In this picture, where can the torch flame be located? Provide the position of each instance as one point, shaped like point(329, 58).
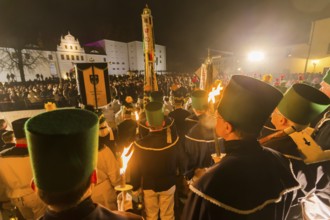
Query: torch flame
point(214, 93)
point(125, 158)
point(136, 116)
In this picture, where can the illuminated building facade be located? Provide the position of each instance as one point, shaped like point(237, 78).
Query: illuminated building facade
point(120, 56)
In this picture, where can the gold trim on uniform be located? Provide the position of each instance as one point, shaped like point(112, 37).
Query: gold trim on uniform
point(157, 149)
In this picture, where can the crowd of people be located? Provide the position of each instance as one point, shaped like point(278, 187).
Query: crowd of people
point(250, 155)
point(33, 94)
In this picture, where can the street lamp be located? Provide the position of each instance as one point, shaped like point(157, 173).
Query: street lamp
point(256, 56)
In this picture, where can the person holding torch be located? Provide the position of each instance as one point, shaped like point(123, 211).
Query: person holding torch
point(63, 145)
point(153, 166)
point(250, 182)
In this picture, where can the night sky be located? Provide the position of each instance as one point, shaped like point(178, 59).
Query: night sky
point(186, 27)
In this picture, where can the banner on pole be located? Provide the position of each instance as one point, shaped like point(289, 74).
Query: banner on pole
point(93, 83)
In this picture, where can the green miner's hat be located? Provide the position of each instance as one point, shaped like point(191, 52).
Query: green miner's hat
point(247, 103)
point(199, 100)
point(326, 77)
point(156, 96)
point(178, 96)
point(302, 103)
point(18, 127)
point(155, 114)
point(63, 147)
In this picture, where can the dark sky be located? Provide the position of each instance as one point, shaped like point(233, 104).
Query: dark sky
point(186, 27)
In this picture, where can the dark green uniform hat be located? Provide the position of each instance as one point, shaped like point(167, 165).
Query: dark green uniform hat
point(247, 103)
point(155, 114)
point(63, 148)
point(156, 96)
point(18, 127)
point(302, 103)
point(178, 96)
point(326, 77)
point(199, 100)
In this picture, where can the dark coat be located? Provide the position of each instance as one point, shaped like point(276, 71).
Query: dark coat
point(199, 146)
point(250, 182)
point(154, 162)
point(87, 210)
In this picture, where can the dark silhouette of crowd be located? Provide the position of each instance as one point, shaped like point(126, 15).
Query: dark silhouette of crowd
point(64, 93)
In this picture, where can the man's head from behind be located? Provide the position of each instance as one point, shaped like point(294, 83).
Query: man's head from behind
point(245, 107)
point(63, 148)
point(300, 105)
point(199, 101)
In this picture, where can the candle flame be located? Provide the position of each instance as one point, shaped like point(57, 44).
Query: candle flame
point(136, 116)
point(214, 93)
point(125, 158)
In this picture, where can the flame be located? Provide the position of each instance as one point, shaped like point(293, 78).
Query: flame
point(136, 116)
point(125, 158)
point(214, 93)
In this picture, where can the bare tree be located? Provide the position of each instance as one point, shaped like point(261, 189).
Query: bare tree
point(13, 59)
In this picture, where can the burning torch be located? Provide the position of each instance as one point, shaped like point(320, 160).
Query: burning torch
point(123, 187)
point(211, 100)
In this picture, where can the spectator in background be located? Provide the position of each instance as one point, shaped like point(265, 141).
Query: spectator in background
point(16, 175)
point(3, 129)
point(9, 140)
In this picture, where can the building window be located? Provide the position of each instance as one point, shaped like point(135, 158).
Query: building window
point(117, 68)
point(62, 57)
point(50, 57)
point(67, 57)
point(76, 47)
point(66, 46)
point(104, 59)
point(72, 57)
point(113, 68)
point(160, 56)
point(160, 61)
point(123, 63)
point(82, 58)
point(77, 57)
point(71, 47)
point(123, 68)
point(117, 62)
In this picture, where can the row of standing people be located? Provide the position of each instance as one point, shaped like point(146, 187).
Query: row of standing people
point(157, 151)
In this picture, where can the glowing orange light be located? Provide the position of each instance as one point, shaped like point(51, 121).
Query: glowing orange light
point(214, 93)
point(125, 158)
point(136, 116)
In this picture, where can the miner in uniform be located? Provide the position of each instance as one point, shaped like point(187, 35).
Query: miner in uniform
point(63, 145)
point(169, 127)
point(199, 141)
point(107, 174)
point(16, 175)
point(321, 194)
point(153, 166)
point(250, 182)
point(127, 129)
point(299, 106)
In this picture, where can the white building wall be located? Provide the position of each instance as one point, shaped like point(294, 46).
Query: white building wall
point(117, 56)
point(69, 52)
point(121, 57)
point(160, 53)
